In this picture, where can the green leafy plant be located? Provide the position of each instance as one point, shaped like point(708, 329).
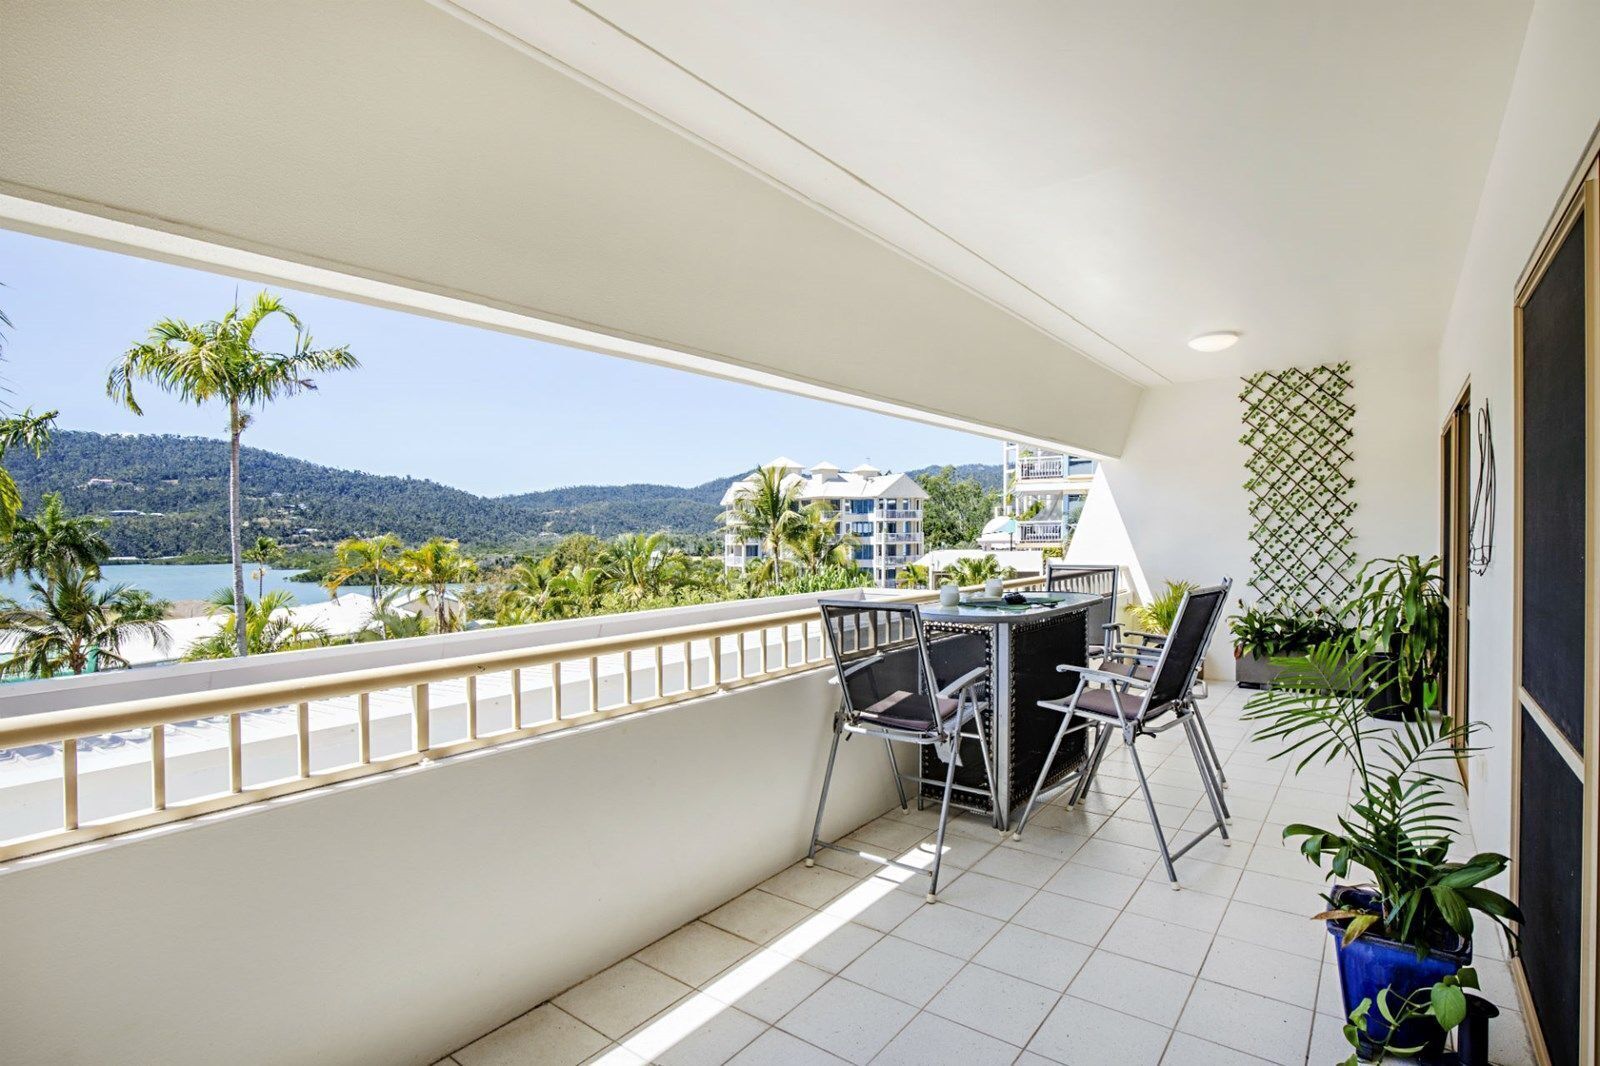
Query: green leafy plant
point(1399, 609)
point(1267, 634)
point(1157, 616)
point(1445, 1002)
point(1400, 826)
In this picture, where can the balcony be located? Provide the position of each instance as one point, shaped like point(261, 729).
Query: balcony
point(1040, 532)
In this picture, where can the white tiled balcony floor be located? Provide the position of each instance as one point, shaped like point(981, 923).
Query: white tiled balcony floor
point(1065, 947)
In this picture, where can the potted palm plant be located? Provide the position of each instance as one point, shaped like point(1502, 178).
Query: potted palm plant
point(1400, 612)
point(1410, 923)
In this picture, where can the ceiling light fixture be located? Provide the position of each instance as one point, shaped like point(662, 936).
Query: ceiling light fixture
point(1215, 342)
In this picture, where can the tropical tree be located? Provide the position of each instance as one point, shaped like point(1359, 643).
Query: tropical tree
point(357, 557)
point(975, 570)
point(579, 591)
point(956, 509)
point(767, 510)
point(74, 624)
point(640, 565)
point(388, 623)
point(25, 430)
point(434, 566)
point(263, 553)
point(50, 543)
point(530, 594)
point(817, 544)
point(912, 576)
point(219, 362)
point(269, 626)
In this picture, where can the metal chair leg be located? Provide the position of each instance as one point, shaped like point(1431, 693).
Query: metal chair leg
point(894, 768)
point(944, 818)
point(1213, 793)
point(1205, 734)
point(988, 766)
point(1150, 808)
point(1044, 772)
point(1091, 767)
point(822, 802)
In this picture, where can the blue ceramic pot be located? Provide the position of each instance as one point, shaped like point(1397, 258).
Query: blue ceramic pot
point(1372, 963)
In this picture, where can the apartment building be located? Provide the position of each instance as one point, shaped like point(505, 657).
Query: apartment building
point(1042, 494)
point(881, 512)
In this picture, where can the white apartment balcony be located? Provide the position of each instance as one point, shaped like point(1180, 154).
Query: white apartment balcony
point(898, 538)
point(1040, 531)
point(575, 840)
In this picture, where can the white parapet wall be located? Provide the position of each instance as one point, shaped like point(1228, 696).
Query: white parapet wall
point(393, 918)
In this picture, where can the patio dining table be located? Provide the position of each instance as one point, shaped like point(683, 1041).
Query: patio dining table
point(1021, 645)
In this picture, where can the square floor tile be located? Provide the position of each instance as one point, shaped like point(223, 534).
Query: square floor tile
point(951, 930)
point(1118, 858)
point(1142, 989)
point(825, 941)
point(1196, 875)
point(848, 1020)
point(876, 904)
point(997, 1004)
point(1079, 1033)
point(1279, 893)
point(615, 1000)
point(695, 953)
point(1063, 916)
point(891, 833)
point(1177, 947)
point(1194, 910)
point(931, 1039)
point(1272, 928)
point(1186, 1050)
point(757, 916)
point(699, 1031)
point(909, 972)
point(545, 1034)
point(1093, 884)
point(1264, 971)
point(1021, 867)
point(777, 1048)
point(1052, 841)
point(986, 895)
point(959, 851)
point(1034, 956)
point(851, 862)
point(808, 887)
point(1259, 1026)
point(766, 985)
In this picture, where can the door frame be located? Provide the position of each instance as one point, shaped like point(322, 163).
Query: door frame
point(1455, 507)
point(1581, 201)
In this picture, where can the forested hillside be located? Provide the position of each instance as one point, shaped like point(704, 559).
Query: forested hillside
point(178, 486)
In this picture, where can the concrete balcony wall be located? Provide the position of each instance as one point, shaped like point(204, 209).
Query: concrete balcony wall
point(394, 918)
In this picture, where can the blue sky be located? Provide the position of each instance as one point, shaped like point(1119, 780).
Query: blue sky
point(479, 410)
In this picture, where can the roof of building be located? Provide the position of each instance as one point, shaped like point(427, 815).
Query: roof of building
point(827, 483)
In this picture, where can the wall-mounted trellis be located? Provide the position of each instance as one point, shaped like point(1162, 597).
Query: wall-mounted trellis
point(1298, 432)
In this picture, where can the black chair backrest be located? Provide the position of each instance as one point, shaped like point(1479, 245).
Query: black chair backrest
point(882, 655)
point(1186, 643)
point(1096, 580)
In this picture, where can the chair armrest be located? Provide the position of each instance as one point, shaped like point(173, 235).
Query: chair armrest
point(1150, 639)
point(966, 680)
point(1089, 673)
point(862, 664)
point(1142, 652)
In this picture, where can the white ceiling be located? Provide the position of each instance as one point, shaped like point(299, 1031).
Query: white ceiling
point(1123, 175)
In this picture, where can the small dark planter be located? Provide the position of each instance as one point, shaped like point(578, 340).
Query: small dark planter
point(1391, 702)
point(1372, 963)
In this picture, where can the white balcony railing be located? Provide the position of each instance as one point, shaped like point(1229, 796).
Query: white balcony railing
point(394, 715)
point(1040, 467)
point(1040, 532)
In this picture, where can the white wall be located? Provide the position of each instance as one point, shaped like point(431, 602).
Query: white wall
point(1174, 506)
point(393, 919)
point(1550, 117)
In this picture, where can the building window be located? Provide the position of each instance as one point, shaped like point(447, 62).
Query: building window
point(860, 506)
point(862, 529)
point(864, 553)
point(888, 575)
point(752, 550)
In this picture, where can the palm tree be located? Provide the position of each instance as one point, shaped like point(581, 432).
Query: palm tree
point(26, 430)
point(218, 361)
point(640, 565)
point(767, 510)
point(818, 544)
point(268, 627)
point(532, 592)
point(436, 565)
point(912, 576)
point(356, 557)
point(975, 571)
point(75, 625)
point(387, 623)
point(51, 542)
point(579, 590)
point(264, 553)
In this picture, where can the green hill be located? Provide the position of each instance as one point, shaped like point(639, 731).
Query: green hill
point(166, 495)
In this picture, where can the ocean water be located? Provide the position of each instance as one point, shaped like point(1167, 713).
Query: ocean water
point(197, 581)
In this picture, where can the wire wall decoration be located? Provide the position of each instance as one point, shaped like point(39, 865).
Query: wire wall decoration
point(1480, 527)
point(1298, 432)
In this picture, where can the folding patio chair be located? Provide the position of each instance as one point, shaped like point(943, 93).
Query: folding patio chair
point(1117, 703)
point(1138, 662)
point(889, 690)
point(1101, 617)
